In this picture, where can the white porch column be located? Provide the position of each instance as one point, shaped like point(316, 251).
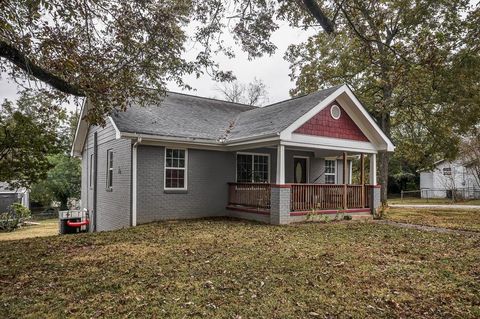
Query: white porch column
point(280, 164)
point(373, 169)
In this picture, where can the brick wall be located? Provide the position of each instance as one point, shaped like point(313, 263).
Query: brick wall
point(206, 194)
point(113, 206)
point(323, 124)
point(280, 205)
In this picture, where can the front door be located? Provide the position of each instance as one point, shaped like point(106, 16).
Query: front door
point(300, 169)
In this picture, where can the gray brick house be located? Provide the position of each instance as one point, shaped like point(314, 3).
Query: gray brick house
point(191, 157)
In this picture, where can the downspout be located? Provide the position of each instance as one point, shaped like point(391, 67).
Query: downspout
point(134, 181)
point(95, 173)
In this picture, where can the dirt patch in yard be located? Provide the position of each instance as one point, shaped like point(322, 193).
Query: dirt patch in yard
point(222, 268)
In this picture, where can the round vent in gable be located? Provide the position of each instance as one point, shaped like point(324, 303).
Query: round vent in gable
point(335, 111)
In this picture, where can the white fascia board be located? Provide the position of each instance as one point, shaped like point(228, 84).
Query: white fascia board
point(80, 132)
point(286, 133)
point(368, 117)
point(266, 139)
point(117, 131)
point(152, 137)
point(382, 142)
point(329, 143)
point(255, 139)
point(148, 139)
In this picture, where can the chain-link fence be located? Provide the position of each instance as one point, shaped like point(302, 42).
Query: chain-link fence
point(453, 194)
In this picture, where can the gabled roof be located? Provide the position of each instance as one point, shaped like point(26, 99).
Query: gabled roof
point(273, 119)
point(187, 117)
point(181, 115)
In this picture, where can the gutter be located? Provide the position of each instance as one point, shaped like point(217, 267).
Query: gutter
point(205, 142)
point(134, 181)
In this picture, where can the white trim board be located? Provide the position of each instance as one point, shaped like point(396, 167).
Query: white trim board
point(329, 143)
point(185, 170)
point(362, 119)
point(117, 131)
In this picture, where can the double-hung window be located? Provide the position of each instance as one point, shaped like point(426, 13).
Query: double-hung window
point(330, 171)
point(253, 168)
point(175, 168)
point(109, 169)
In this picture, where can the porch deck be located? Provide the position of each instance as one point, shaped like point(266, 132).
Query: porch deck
point(304, 198)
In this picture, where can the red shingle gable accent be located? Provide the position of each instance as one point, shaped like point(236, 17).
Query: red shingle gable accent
point(323, 124)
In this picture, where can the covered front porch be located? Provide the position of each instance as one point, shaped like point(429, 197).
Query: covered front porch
point(306, 181)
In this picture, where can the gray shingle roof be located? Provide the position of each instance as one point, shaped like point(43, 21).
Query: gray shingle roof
point(187, 116)
point(276, 117)
point(180, 115)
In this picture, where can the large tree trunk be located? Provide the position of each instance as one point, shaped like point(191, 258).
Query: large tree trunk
point(383, 157)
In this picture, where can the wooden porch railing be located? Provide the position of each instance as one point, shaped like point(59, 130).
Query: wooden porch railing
point(354, 196)
point(303, 197)
point(255, 195)
point(306, 197)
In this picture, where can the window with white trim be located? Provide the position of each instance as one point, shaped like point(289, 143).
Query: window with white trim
point(330, 171)
point(175, 168)
point(253, 168)
point(109, 169)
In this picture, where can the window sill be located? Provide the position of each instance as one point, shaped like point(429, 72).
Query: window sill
point(175, 191)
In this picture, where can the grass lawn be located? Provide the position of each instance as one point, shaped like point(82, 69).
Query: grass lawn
point(448, 218)
point(47, 227)
point(432, 201)
point(222, 268)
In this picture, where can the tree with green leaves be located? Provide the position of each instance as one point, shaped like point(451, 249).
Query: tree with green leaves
point(414, 64)
point(61, 183)
point(28, 134)
point(116, 52)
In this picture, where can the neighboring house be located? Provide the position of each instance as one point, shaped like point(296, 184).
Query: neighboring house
point(191, 157)
point(449, 179)
point(9, 195)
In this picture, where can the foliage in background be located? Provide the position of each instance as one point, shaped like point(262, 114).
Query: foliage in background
point(28, 134)
point(470, 154)
point(35, 138)
point(116, 52)
point(414, 64)
point(62, 181)
point(14, 217)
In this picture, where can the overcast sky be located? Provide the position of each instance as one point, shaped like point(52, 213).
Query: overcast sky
point(272, 70)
